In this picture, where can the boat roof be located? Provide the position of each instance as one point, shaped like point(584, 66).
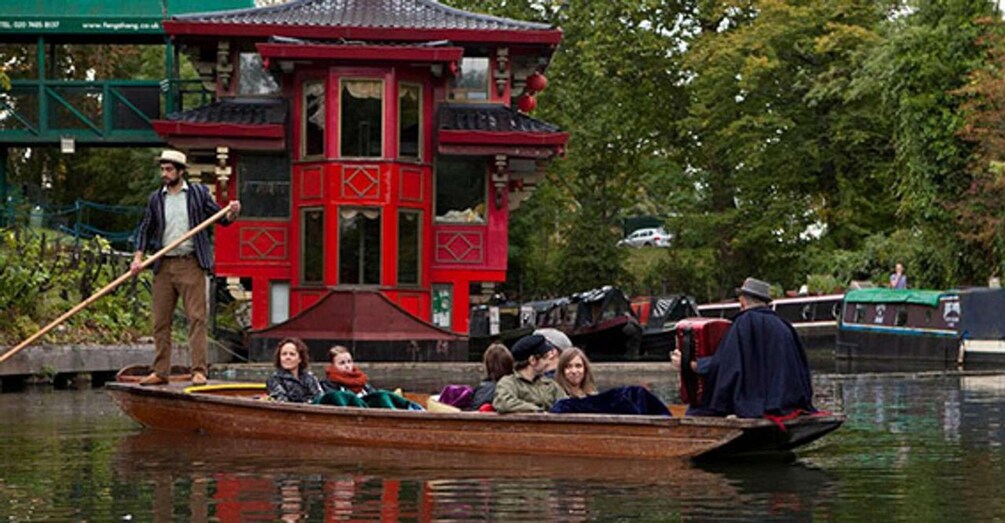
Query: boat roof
point(928, 298)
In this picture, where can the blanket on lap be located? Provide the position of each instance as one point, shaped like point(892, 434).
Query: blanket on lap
point(378, 399)
point(620, 400)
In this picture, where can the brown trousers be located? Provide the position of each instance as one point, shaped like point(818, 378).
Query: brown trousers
point(179, 277)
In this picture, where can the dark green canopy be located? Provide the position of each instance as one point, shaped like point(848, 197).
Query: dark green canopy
point(916, 296)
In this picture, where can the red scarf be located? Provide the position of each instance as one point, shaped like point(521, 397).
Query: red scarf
point(354, 381)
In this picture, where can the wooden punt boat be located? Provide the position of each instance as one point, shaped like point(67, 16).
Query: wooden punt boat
point(233, 410)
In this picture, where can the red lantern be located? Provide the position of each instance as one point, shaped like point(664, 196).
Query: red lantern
point(537, 82)
point(526, 103)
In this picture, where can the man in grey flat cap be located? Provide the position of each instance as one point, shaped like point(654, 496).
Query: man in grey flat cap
point(760, 367)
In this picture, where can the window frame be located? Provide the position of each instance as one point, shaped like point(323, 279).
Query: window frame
point(451, 90)
point(241, 180)
point(302, 101)
point(418, 247)
point(420, 156)
point(382, 80)
point(303, 246)
point(380, 247)
point(436, 193)
point(240, 83)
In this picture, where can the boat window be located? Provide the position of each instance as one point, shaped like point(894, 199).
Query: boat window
point(901, 319)
point(362, 110)
point(254, 79)
point(359, 246)
point(312, 246)
point(264, 185)
point(409, 227)
point(460, 189)
point(472, 81)
point(312, 138)
point(409, 121)
point(928, 317)
point(859, 313)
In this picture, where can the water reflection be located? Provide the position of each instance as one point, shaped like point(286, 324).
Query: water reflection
point(254, 480)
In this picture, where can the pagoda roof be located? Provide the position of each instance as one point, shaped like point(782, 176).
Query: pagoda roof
point(240, 111)
point(253, 123)
point(490, 117)
point(404, 20)
point(492, 128)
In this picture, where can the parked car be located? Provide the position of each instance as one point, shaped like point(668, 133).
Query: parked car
point(649, 237)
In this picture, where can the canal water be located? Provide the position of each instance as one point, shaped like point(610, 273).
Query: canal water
point(916, 447)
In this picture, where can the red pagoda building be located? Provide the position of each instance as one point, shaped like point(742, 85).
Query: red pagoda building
point(377, 147)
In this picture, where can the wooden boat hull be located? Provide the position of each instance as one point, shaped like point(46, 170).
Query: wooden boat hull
point(171, 408)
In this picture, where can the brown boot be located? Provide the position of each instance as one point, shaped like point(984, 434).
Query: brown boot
point(153, 379)
point(198, 378)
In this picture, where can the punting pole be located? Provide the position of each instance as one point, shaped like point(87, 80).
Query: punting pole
point(118, 281)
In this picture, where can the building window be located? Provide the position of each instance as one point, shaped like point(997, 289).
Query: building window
point(460, 189)
point(279, 302)
point(472, 83)
point(313, 118)
point(409, 236)
point(264, 187)
point(312, 246)
point(254, 79)
point(359, 246)
point(410, 121)
point(362, 118)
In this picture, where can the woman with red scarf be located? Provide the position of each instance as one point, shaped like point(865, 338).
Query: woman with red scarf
point(342, 374)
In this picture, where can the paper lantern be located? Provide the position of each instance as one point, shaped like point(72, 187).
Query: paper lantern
point(537, 82)
point(526, 103)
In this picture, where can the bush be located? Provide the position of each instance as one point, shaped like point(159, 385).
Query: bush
point(43, 275)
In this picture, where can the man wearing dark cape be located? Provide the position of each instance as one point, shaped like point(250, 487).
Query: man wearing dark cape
point(760, 367)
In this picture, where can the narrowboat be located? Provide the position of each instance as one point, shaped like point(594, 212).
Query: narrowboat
point(814, 317)
point(237, 410)
point(505, 323)
point(929, 327)
point(658, 316)
point(599, 321)
point(907, 325)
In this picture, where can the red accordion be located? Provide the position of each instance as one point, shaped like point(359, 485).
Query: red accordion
point(697, 338)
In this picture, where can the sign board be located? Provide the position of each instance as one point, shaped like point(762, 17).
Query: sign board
point(101, 17)
point(443, 298)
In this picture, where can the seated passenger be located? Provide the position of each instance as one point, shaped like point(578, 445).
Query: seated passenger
point(574, 374)
point(527, 390)
point(498, 362)
point(560, 341)
point(292, 381)
point(760, 368)
point(342, 374)
point(347, 386)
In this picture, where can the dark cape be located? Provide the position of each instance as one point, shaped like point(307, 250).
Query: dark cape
point(759, 368)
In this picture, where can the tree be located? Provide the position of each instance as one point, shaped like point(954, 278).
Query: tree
point(780, 145)
point(928, 50)
point(980, 213)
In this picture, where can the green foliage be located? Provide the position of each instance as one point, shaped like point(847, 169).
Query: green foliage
point(41, 278)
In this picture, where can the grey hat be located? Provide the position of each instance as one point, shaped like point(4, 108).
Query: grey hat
point(756, 288)
point(556, 337)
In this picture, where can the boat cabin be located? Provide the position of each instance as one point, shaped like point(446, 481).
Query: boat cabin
point(947, 328)
point(376, 147)
point(899, 324)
